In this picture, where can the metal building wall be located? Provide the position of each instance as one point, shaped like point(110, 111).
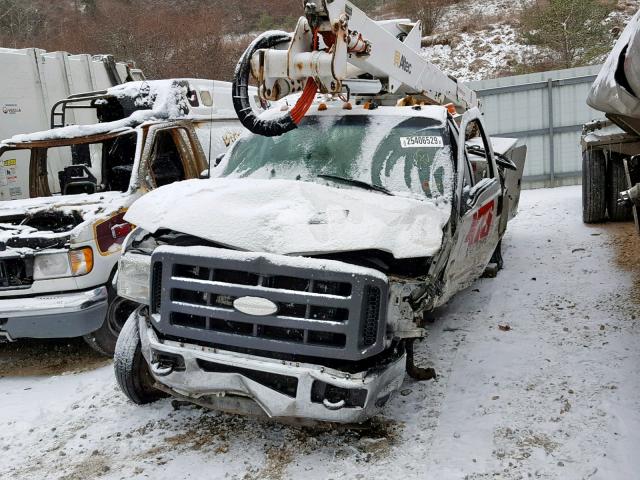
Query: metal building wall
point(519, 107)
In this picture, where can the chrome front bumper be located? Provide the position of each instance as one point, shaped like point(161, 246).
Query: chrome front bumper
point(234, 390)
point(63, 315)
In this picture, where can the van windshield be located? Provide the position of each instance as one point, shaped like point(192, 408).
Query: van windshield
point(403, 155)
point(99, 166)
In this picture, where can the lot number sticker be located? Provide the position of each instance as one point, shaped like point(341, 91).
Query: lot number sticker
point(421, 142)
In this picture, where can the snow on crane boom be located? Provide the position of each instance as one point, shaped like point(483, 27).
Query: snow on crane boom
point(333, 47)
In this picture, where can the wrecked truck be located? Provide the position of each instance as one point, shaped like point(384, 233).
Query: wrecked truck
point(302, 295)
point(59, 248)
point(295, 282)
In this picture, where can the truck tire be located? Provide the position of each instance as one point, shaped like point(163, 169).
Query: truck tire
point(594, 200)
point(104, 339)
point(130, 367)
point(616, 183)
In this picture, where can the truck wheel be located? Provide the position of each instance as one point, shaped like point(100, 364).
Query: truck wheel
point(495, 264)
point(594, 200)
point(616, 183)
point(131, 370)
point(104, 339)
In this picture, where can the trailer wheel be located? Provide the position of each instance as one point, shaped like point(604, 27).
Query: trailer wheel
point(616, 183)
point(594, 200)
point(130, 367)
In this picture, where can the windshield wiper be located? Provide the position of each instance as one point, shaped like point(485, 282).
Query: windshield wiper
point(357, 183)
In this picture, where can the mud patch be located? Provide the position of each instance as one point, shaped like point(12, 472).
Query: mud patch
point(277, 461)
point(93, 466)
point(215, 434)
point(625, 241)
point(367, 443)
point(48, 357)
point(519, 445)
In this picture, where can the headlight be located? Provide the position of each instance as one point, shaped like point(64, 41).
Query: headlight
point(64, 264)
point(134, 273)
point(51, 265)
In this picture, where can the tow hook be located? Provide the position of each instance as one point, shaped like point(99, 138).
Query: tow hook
point(415, 372)
point(161, 370)
point(333, 406)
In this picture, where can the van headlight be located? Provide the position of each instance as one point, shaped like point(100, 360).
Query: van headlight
point(73, 263)
point(134, 272)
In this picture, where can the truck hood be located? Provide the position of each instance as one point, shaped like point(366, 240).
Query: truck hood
point(49, 222)
point(293, 217)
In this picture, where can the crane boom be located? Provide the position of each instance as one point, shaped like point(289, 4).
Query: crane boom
point(355, 46)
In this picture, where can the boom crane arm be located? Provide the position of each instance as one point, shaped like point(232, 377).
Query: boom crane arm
point(337, 47)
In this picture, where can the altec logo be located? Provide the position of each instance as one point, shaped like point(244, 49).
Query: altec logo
point(402, 63)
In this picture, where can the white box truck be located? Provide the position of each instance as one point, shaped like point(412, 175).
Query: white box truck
point(31, 82)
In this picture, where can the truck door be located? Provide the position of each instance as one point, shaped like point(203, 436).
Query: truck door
point(172, 154)
point(479, 205)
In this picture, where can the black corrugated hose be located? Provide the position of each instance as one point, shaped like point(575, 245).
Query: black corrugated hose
point(248, 118)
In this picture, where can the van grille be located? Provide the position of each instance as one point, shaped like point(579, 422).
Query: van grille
point(16, 273)
point(319, 311)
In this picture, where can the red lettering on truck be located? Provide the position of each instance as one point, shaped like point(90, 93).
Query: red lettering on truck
point(482, 223)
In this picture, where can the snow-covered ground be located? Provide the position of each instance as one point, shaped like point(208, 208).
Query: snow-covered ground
point(556, 396)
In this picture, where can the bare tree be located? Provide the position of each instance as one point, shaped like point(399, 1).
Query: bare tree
point(20, 20)
point(574, 31)
point(167, 38)
point(429, 12)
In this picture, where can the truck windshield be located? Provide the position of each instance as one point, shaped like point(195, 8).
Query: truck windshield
point(59, 169)
point(402, 155)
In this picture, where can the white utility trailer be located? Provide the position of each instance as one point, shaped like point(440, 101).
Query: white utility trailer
point(31, 82)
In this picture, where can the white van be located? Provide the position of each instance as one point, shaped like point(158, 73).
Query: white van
point(59, 248)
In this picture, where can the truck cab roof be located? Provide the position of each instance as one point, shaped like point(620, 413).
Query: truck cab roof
point(146, 102)
point(336, 107)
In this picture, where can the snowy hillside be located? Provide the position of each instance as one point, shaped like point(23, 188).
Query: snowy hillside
point(479, 39)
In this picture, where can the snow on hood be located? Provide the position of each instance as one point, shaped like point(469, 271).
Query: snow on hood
point(607, 94)
point(87, 204)
point(161, 99)
point(89, 207)
point(293, 217)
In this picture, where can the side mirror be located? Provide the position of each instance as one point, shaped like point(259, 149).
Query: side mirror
point(505, 162)
point(207, 173)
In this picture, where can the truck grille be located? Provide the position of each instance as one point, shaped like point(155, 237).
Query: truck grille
point(16, 273)
point(323, 308)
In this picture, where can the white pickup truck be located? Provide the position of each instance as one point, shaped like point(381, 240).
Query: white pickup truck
point(59, 248)
point(338, 224)
point(304, 293)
